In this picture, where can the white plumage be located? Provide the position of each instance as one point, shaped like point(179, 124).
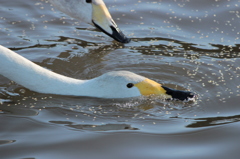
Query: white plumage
point(115, 84)
point(39, 79)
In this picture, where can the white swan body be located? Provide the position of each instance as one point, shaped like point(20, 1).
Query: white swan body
point(93, 12)
point(116, 84)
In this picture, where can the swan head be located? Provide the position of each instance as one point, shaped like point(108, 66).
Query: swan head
point(102, 19)
point(93, 12)
point(124, 84)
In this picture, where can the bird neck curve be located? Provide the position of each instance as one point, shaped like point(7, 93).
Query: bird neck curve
point(36, 78)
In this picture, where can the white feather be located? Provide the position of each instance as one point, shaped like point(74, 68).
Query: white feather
point(39, 79)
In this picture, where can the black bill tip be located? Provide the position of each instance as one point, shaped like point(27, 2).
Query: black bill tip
point(116, 34)
point(180, 95)
point(119, 36)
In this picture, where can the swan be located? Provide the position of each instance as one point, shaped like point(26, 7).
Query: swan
point(93, 12)
point(115, 84)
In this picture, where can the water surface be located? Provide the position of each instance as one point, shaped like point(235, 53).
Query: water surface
point(189, 45)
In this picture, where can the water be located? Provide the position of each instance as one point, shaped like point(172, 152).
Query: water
point(183, 44)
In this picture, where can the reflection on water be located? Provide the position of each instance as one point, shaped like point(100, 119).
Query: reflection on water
point(212, 121)
point(186, 45)
point(2, 142)
point(10, 110)
point(104, 127)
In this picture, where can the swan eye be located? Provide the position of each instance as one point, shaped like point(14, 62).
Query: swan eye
point(88, 1)
point(130, 85)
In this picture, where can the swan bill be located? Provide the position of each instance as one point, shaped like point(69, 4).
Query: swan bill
point(150, 87)
point(102, 20)
point(179, 94)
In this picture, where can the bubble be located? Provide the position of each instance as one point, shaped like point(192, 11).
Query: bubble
point(22, 91)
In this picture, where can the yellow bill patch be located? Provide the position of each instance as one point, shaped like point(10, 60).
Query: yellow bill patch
point(150, 87)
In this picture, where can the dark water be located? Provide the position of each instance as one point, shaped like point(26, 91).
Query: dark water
point(183, 44)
